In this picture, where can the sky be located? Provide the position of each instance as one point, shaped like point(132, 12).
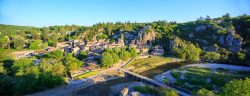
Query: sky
point(41, 13)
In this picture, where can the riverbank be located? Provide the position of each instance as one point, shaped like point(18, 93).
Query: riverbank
point(210, 76)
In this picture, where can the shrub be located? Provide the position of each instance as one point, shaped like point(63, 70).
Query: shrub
point(145, 89)
point(205, 92)
point(167, 92)
point(211, 56)
point(155, 91)
point(237, 88)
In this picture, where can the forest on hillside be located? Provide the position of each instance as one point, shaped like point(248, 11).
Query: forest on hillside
point(224, 39)
point(225, 36)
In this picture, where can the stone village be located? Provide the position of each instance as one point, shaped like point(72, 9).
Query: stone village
point(140, 40)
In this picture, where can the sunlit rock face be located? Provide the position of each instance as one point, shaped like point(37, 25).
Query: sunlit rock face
point(233, 44)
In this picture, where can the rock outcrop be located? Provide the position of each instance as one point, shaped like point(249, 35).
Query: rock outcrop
point(146, 34)
point(233, 44)
point(200, 28)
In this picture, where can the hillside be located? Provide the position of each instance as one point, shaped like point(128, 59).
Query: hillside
point(227, 36)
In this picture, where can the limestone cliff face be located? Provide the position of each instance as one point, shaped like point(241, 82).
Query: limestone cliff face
point(207, 36)
point(233, 44)
point(148, 34)
point(200, 28)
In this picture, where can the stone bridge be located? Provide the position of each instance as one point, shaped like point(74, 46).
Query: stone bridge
point(149, 81)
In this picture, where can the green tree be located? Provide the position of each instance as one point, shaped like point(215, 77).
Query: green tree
point(205, 92)
point(53, 39)
point(48, 80)
point(36, 36)
point(57, 54)
point(211, 56)
point(237, 88)
point(181, 54)
point(4, 42)
point(46, 64)
point(82, 55)
point(58, 69)
point(20, 65)
point(72, 63)
point(241, 56)
point(110, 50)
point(115, 57)
point(32, 71)
point(167, 92)
point(133, 52)
point(124, 55)
point(117, 50)
point(101, 36)
point(18, 42)
point(186, 50)
point(4, 55)
point(38, 44)
point(107, 59)
point(2, 69)
point(193, 52)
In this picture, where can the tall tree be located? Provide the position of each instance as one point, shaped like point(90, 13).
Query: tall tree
point(107, 59)
point(4, 42)
point(124, 55)
point(37, 44)
point(18, 42)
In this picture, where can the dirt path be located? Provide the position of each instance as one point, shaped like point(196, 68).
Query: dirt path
point(216, 65)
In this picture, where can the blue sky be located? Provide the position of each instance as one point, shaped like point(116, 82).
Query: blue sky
point(88, 12)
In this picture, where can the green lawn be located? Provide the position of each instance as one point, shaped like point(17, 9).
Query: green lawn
point(85, 75)
point(140, 65)
point(155, 65)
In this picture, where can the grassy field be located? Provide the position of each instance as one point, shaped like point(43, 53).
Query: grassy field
point(196, 78)
point(91, 73)
point(140, 65)
point(155, 65)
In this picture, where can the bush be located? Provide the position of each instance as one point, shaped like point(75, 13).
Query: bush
point(176, 74)
point(211, 56)
point(124, 55)
point(205, 92)
point(168, 92)
point(165, 80)
point(155, 91)
point(241, 56)
point(107, 60)
point(82, 55)
point(38, 44)
point(186, 50)
point(146, 89)
point(101, 36)
point(237, 88)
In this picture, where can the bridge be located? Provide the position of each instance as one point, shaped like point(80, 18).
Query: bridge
point(149, 81)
